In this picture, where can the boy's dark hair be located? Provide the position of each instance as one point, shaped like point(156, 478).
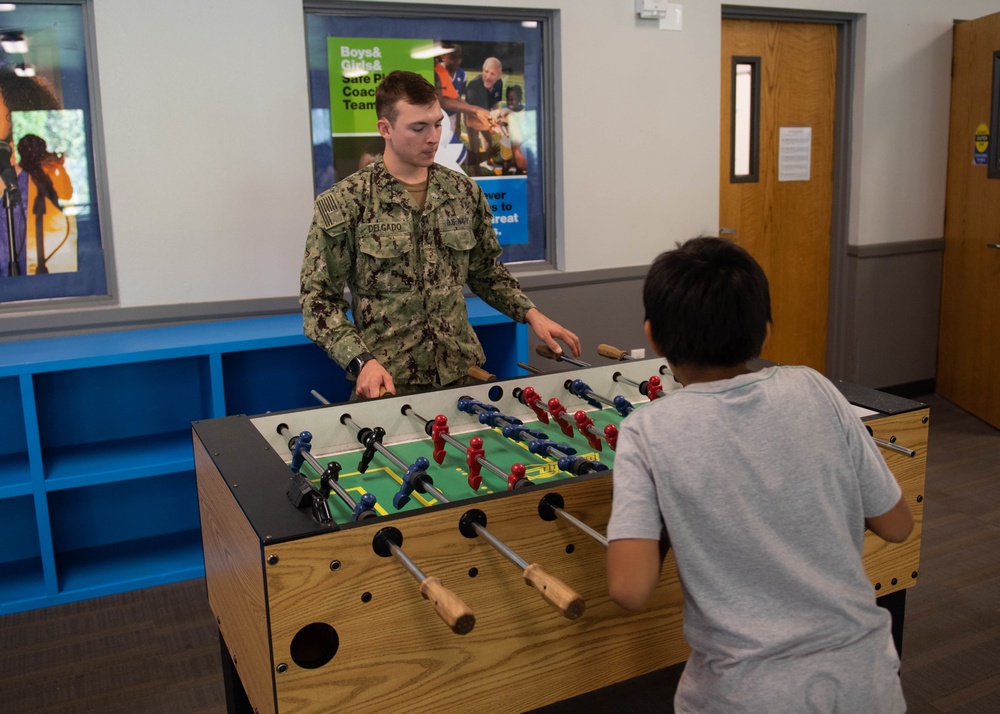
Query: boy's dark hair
point(402, 85)
point(707, 303)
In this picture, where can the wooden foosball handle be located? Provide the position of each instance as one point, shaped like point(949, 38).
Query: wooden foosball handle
point(450, 608)
point(612, 352)
point(546, 351)
point(555, 592)
point(481, 374)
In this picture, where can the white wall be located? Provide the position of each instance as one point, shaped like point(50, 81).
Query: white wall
point(211, 192)
point(206, 125)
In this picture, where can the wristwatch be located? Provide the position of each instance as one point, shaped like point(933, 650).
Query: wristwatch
point(355, 365)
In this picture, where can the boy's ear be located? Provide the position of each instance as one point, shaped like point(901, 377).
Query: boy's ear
point(648, 328)
point(767, 336)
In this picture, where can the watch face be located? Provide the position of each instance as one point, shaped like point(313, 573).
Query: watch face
point(358, 362)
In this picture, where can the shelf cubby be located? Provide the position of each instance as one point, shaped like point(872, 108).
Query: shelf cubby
point(21, 574)
point(280, 378)
point(130, 533)
point(15, 476)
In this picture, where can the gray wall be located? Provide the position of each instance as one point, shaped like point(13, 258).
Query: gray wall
point(894, 306)
point(891, 313)
point(599, 306)
point(890, 335)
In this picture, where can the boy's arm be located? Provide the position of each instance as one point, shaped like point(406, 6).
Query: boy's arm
point(634, 566)
point(895, 525)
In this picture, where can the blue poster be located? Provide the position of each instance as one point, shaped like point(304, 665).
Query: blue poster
point(508, 199)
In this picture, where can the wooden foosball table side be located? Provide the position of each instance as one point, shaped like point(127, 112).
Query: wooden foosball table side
point(893, 567)
point(235, 580)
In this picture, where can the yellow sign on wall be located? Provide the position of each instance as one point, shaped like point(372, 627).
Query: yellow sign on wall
point(982, 144)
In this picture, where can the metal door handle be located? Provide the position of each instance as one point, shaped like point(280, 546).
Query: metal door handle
point(993, 245)
point(727, 232)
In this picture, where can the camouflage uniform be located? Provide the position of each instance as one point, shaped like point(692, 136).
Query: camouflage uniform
point(405, 269)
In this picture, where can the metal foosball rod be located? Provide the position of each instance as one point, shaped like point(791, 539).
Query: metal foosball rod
point(530, 398)
point(553, 590)
point(538, 442)
point(651, 388)
point(552, 506)
point(437, 429)
point(583, 390)
point(300, 447)
point(477, 373)
point(546, 351)
point(529, 368)
point(533, 400)
point(372, 441)
point(891, 446)
point(388, 542)
point(592, 434)
point(473, 524)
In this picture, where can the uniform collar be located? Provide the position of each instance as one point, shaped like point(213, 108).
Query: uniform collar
point(393, 191)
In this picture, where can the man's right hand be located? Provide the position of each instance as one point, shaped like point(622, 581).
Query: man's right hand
point(371, 380)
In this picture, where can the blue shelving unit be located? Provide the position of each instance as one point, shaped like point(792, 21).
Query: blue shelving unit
point(97, 481)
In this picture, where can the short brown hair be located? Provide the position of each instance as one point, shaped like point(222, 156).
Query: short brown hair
point(409, 86)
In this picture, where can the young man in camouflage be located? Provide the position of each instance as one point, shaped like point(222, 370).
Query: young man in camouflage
point(404, 235)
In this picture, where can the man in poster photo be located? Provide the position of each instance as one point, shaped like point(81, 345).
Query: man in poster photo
point(486, 92)
point(405, 235)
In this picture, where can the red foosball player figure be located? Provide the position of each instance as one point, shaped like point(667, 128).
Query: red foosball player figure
point(653, 388)
point(517, 479)
point(611, 434)
point(474, 451)
point(586, 426)
point(531, 398)
point(557, 410)
point(438, 429)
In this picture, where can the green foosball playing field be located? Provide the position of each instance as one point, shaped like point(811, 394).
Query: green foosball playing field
point(384, 478)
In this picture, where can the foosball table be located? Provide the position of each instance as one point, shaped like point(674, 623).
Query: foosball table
point(444, 552)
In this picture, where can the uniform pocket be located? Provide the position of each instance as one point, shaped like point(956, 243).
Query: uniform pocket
point(455, 256)
point(385, 263)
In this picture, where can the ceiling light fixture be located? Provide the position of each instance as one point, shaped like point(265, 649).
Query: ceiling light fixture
point(13, 43)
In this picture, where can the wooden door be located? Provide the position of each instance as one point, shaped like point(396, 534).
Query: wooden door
point(969, 346)
point(786, 224)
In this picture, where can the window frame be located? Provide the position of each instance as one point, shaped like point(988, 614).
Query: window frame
point(753, 174)
point(549, 133)
point(56, 295)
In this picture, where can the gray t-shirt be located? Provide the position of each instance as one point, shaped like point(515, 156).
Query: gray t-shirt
point(763, 482)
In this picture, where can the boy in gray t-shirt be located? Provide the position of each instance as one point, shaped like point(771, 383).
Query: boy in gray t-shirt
point(763, 484)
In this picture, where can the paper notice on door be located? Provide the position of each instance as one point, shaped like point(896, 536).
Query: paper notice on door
point(794, 153)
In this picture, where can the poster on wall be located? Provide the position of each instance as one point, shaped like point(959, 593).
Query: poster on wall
point(49, 148)
point(489, 89)
point(51, 235)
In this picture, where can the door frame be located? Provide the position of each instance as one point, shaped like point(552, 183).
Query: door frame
point(841, 301)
